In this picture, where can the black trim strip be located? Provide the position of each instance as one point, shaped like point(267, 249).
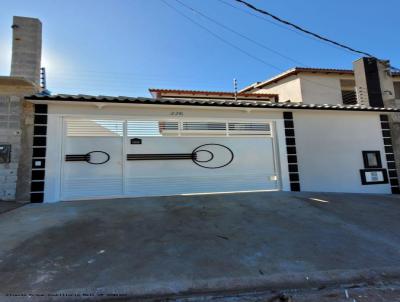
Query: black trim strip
point(37, 197)
point(40, 119)
point(38, 175)
point(39, 152)
point(37, 186)
point(291, 149)
point(390, 159)
point(295, 187)
point(77, 157)
point(167, 156)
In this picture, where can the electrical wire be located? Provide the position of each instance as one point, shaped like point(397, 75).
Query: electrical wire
point(263, 18)
point(239, 34)
point(264, 12)
point(239, 48)
point(221, 38)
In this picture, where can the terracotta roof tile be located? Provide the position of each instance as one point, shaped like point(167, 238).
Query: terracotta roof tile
point(297, 70)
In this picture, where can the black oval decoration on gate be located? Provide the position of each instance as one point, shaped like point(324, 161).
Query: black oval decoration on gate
point(89, 158)
point(203, 148)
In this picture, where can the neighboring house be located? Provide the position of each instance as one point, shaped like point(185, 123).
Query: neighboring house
point(186, 142)
point(315, 86)
point(215, 95)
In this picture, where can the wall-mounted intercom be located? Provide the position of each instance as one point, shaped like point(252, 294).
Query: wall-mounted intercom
point(373, 173)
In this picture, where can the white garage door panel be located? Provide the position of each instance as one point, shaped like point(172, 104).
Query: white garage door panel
point(82, 179)
point(252, 167)
point(196, 184)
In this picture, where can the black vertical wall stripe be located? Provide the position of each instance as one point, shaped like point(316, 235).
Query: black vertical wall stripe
point(373, 82)
point(390, 159)
point(39, 153)
point(293, 168)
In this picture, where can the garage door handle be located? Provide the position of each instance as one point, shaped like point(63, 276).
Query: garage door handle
point(88, 157)
point(207, 163)
point(168, 156)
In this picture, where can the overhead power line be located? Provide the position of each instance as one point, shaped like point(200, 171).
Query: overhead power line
point(239, 34)
point(237, 47)
point(264, 12)
point(221, 38)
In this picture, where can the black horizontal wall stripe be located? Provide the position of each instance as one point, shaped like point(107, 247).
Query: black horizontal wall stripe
point(41, 108)
point(292, 159)
point(388, 149)
point(291, 149)
point(38, 174)
point(40, 119)
point(387, 141)
point(386, 133)
point(392, 173)
point(39, 130)
point(385, 126)
point(295, 186)
point(38, 153)
point(384, 118)
point(37, 197)
point(289, 124)
point(390, 159)
point(39, 141)
point(395, 190)
point(288, 116)
point(290, 141)
point(289, 132)
point(294, 177)
point(37, 186)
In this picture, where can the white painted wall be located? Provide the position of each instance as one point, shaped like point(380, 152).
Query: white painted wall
point(320, 89)
point(288, 89)
point(329, 146)
point(329, 143)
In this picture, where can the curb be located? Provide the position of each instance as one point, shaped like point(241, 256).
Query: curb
point(228, 286)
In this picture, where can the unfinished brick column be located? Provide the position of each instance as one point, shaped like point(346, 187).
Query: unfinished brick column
point(15, 115)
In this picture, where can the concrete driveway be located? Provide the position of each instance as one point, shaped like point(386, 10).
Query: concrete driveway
point(183, 244)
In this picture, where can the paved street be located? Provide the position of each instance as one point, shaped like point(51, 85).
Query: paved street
point(191, 244)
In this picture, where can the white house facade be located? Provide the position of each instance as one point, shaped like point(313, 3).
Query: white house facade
point(103, 147)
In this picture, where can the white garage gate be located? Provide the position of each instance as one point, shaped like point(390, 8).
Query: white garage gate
point(119, 158)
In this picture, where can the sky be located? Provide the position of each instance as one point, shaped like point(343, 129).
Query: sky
point(125, 47)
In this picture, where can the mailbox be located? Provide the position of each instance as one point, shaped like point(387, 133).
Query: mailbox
point(5, 153)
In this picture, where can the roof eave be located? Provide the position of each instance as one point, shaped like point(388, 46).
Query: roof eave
point(202, 103)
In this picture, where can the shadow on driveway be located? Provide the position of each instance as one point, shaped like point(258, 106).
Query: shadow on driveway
point(166, 245)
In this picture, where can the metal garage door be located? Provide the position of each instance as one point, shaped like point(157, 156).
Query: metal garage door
point(113, 158)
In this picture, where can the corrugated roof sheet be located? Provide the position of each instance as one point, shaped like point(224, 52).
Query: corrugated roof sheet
point(201, 102)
